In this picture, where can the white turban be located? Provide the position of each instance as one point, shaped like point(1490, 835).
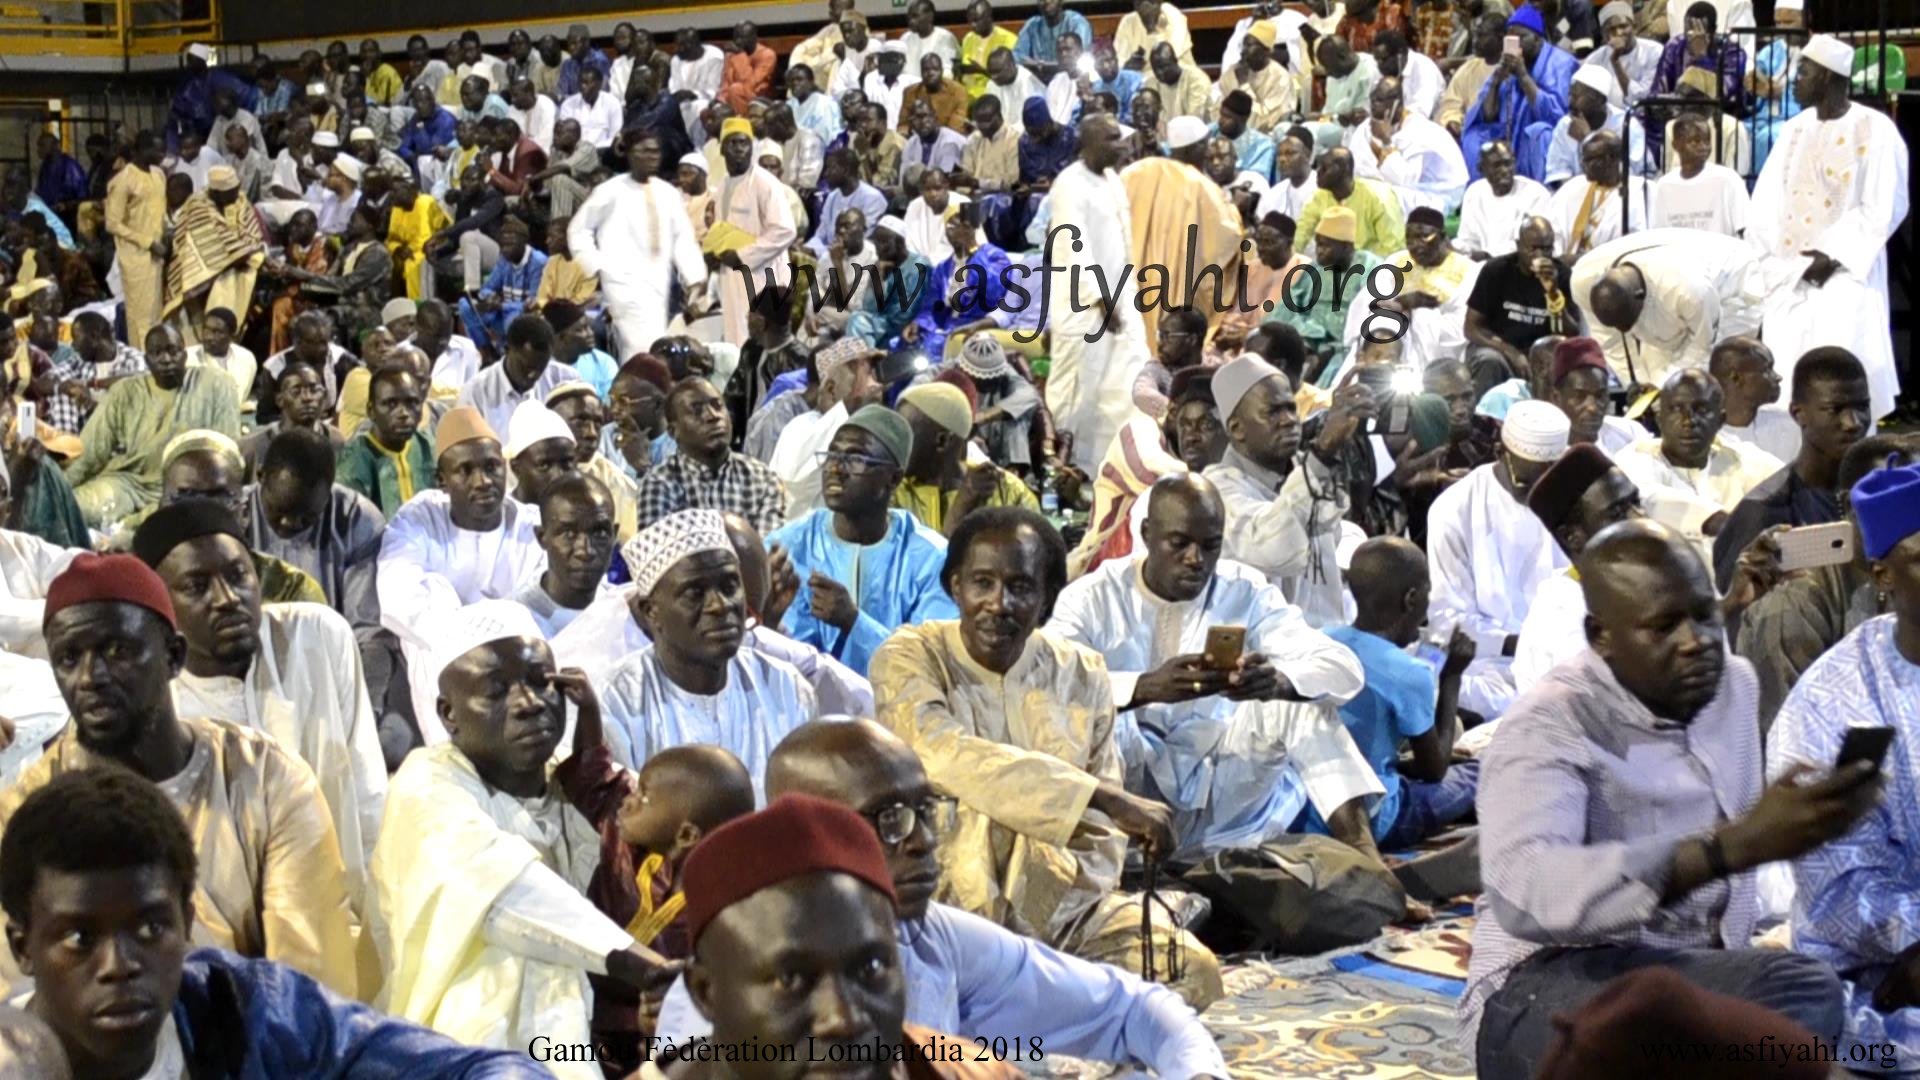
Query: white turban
point(1535, 431)
point(532, 422)
point(1830, 53)
point(655, 549)
point(1185, 131)
point(1595, 78)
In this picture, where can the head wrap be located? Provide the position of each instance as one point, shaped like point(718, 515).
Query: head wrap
point(1596, 78)
point(1034, 114)
point(735, 125)
point(1185, 131)
point(1338, 223)
point(945, 404)
point(1191, 384)
point(569, 389)
point(649, 368)
point(1233, 379)
point(1237, 102)
point(983, 357)
point(480, 623)
point(699, 160)
point(889, 427)
point(463, 423)
point(178, 522)
point(349, 167)
point(217, 443)
point(532, 422)
point(1560, 488)
point(223, 178)
point(1830, 53)
point(362, 134)
point(562, 314)
point(398, 308)
point(326, 140)
point(1620, 9)
point(795, 836)
point(1428, 216)
point(1263, 32)
point(1525, 15)
point(1603, 1038)
point(841, 353)
point(655, 549)
point(1886, 503)
point(1574, 353)
point(91, 578)
point(201, 51)
point(1535, 431)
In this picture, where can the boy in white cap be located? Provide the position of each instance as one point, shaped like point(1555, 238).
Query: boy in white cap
point(1488, 553)
point(1834, 190)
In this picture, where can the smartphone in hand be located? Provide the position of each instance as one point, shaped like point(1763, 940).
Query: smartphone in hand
point(1224, 645)
point(1864, 744)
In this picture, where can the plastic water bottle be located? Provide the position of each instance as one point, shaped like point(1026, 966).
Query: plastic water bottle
point(1431, 649)
point(1050, 499)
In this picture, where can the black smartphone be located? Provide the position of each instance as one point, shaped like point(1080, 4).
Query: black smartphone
point(1864, 744)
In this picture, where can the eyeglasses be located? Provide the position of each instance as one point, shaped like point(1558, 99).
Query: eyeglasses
point(852, 464)
point(897, 821)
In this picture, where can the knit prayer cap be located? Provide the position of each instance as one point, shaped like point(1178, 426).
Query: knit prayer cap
point(655, 549)
point(889, 427)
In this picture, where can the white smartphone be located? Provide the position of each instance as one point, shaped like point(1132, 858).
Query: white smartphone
point(1512, 45)
point(1816, 545)
point(25, 419)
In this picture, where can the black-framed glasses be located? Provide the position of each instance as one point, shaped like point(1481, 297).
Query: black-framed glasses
point(852, 464)
point(896, 821)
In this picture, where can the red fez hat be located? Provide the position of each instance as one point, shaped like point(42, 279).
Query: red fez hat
point(952, 374)
point(796, 835)
point(92, 578)
point(1576, 352)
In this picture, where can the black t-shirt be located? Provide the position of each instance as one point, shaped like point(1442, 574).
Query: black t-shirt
point(1515, 306)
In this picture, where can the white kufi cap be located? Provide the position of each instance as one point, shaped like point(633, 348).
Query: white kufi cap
point(1830, 53)
point(1535, 431)
point(532, 422)
point(654, 549)
point(1185, 131)
point(1596, 78)
point(481, 623)
point(1238, 376)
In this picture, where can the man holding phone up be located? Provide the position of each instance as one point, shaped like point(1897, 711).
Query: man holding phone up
point(1857, 903)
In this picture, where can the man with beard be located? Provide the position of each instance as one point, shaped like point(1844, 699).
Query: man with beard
point(939, 485)
point(1832, 406)
point(118, 470)
point(481, 866)
point(964, 974)
point(459, 543)
point(1433, 294)
point(1587, 877)
point(1017, 722)
point(865, 568)
point(289, 670)
point(274, 886)
point(695, 683)
point(576, 531)
point(105, 849)
point(1496, 204)
point(1690, 478)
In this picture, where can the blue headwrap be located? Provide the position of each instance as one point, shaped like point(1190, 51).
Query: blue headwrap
point(1886, 503)
point(1526, 15)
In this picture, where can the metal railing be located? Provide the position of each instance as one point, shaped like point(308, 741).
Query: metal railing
point(105, 29)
